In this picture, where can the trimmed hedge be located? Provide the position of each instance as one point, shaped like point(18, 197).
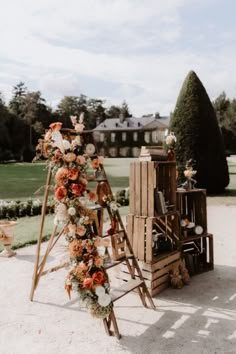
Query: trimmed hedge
point(16, 209)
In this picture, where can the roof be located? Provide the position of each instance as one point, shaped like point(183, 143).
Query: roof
point(132, 123)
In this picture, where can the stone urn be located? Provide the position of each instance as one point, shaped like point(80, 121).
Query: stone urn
point(6, 237)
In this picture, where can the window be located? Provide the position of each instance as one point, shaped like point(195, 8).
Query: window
point(147, 137)
point(124, 136)
point(113, 137)
point(101, 137)
point(135, 136)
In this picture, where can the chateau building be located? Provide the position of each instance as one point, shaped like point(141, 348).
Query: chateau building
point(123, 137)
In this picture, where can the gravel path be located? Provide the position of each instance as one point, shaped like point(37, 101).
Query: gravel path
point(200, 318)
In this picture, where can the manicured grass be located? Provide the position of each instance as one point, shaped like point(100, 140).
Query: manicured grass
point(20, 181)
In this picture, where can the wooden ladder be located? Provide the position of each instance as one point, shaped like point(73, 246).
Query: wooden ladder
point(122, 251)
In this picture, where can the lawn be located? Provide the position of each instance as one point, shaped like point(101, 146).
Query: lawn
point(22, 180)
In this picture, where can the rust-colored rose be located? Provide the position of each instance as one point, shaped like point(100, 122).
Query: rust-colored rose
point(77, 189)
point(60, 193)
point(73, 173)
point(98, 278)
point(88, 283)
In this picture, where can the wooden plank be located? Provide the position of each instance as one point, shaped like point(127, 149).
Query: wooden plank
point(132, 188)
point(125, 288)
point(144, 188)
point(141, 239)
point(135, 236)
point(130, 227)
point(159, 289)
point(167, 259)
point(138, 182)
point(148, 253)
point(159, 273)
point(151, 186)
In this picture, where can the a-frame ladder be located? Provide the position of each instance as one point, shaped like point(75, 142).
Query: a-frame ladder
point(121, 248)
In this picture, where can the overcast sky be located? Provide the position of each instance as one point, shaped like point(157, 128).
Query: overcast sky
point(134, 50)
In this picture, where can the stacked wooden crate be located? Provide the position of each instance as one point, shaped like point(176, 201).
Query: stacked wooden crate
point(197, 249)
point(144, 221)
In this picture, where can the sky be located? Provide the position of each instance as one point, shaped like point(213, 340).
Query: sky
point(139, 51)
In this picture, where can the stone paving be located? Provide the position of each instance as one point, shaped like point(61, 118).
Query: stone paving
point(199, 318)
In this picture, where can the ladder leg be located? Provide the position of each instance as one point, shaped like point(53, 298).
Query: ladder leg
point(44, 207)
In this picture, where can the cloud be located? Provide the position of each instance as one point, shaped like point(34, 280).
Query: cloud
point(139, 50)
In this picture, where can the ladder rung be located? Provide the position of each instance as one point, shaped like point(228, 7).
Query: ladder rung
point(121, 260)
point(124, 289)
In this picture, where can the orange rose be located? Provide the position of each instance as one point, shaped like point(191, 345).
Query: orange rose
point(88, 283)
point(60, 193)
point(98, 278)
point(62, 176)
point(80, 160)
point(75, 248)
point(55, 126)
point(73, 173)
point(70, 157)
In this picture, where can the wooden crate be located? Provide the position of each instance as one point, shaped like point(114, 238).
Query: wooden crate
point(141, 231)
point(145, 178)
point(198, 253)
point(156, 274)
point(193, 205)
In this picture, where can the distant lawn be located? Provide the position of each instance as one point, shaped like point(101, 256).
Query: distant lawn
point(20, 181)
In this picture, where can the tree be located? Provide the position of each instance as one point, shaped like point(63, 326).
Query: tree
point(71, 106)
point(19, 92)
point(226, 115)
point(198, 135)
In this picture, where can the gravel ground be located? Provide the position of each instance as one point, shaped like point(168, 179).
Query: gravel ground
point(199, 318)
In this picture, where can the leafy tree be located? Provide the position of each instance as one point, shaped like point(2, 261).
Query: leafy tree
point(198, 135)
point(115, 111)
point(19, 92)
point(96, 112)
point(71, 106)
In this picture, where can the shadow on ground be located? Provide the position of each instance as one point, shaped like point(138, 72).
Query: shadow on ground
point(200, 316)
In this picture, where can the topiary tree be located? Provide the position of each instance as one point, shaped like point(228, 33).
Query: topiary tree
point(198, 135)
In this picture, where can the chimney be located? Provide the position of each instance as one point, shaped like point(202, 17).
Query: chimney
point(122, 117)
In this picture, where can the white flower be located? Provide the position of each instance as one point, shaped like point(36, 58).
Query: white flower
point(66, 144)
point(71, 211)
point(104, 300)
point(100, 290)
point(58, 141)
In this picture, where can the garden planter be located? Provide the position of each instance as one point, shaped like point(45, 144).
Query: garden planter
point(6, 237)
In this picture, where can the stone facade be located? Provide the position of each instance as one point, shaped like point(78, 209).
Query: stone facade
point(123, 137)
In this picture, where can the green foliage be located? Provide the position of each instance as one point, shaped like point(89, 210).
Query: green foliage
point(198, 135)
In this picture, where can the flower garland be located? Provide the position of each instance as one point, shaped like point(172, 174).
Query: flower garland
point(70, 161)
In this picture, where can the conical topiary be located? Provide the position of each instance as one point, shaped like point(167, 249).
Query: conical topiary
point(198, 135)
